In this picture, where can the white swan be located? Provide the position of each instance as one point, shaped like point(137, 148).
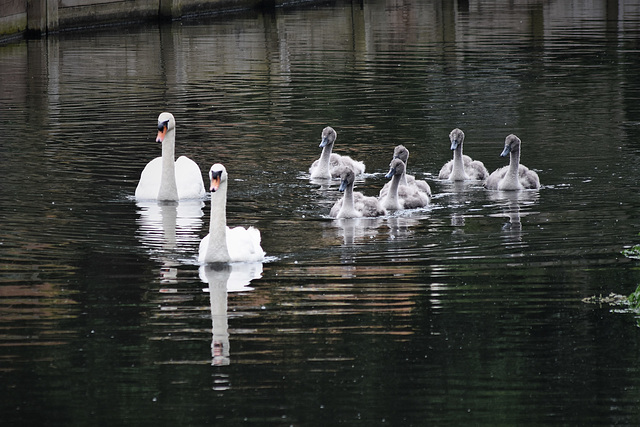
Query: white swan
point(354, 205)
point(330, 165)
point(165, 179)
point(401, 152)
point(514, 176)
point(462, 167)
point(224, 244)
point(410, 198)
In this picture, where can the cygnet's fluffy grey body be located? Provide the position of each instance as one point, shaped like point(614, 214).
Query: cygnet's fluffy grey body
point(330, 165)
point(462, 167)
point(409, 198)
point(408, 183)
point(514, 176)
point(354, 204)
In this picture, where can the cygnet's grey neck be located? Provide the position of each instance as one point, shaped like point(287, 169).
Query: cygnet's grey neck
point(403, 179)
point(458, 173)
point(347, 203)
point(514, 162)
point(392, 196)
point(325, 157)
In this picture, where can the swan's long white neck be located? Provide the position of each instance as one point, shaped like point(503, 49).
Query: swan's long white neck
point(217, 248)
point(458, 173)
point(168, 188)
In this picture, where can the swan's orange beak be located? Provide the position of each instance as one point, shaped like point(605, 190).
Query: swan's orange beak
point(162, 131)
point(215, 183)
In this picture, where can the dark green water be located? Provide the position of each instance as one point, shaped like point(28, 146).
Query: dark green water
point(469, 311)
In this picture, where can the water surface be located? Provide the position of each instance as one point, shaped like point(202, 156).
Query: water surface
point(467, 311)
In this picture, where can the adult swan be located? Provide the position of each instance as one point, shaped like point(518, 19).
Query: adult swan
point(165, 179)
point(224, 244)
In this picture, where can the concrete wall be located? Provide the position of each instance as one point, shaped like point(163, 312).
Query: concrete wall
point(13, 16)
point(39, 17)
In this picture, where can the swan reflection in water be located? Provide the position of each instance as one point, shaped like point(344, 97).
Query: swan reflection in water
point(222, 279)
point(168, 229)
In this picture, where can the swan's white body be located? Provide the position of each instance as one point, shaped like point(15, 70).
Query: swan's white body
point(409, 198)
point(354, 204)
point(224, 244)
point(462, 167)
point(167, 179)
point(408, 184)
point(514, 176)
point(330, 165)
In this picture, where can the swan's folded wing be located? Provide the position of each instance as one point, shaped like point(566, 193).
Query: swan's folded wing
point(446, 170)
point(333, 213)
point(369, 206)
point(411, 197)
point(243, 244)
point(357, 166)
point(528, 178)
point(477, 171)
point(496, 176)
point(423, 186)
point(189, 179)
point(149, 183)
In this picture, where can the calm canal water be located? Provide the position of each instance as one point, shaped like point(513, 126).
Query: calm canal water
point(469, 311)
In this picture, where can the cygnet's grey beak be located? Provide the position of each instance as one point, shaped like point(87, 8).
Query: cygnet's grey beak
point(391, 172)
point(506, 151)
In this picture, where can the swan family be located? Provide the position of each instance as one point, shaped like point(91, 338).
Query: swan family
point(165, 179)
